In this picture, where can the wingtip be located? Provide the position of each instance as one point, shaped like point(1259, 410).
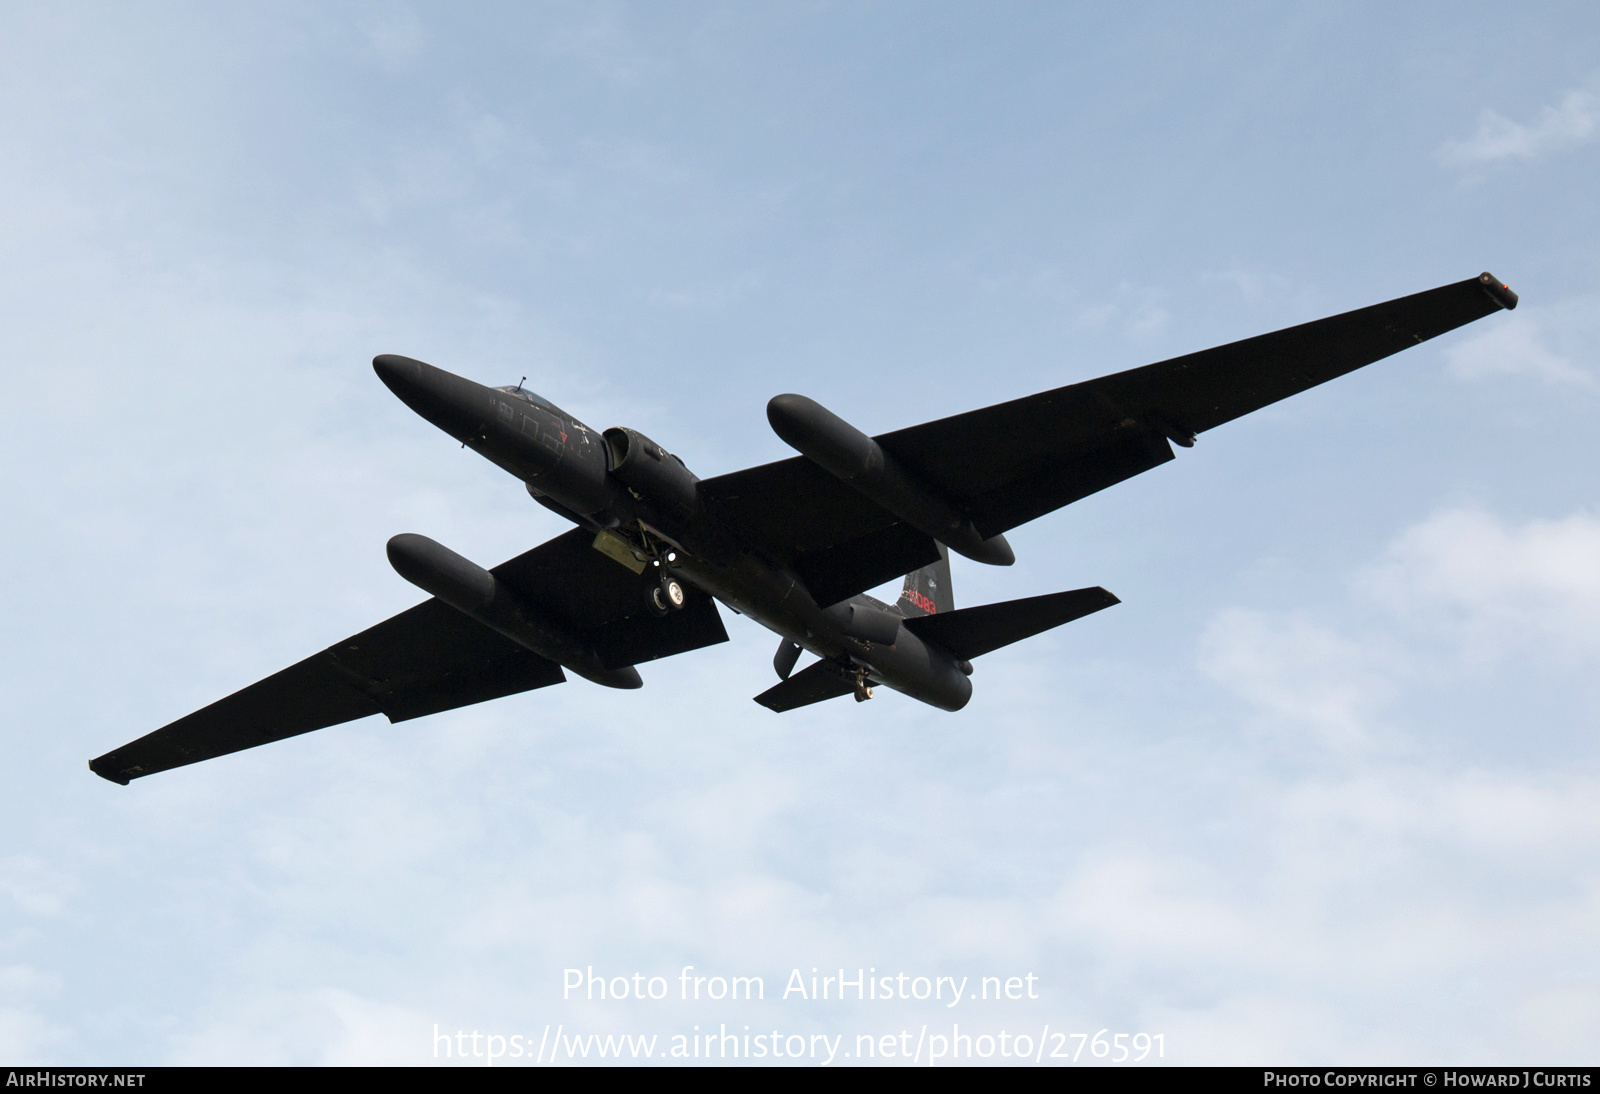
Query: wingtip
point(1498, 290)
point(110, 776)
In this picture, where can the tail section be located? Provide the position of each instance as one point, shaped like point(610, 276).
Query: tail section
point(973, 632)
point(927, 591)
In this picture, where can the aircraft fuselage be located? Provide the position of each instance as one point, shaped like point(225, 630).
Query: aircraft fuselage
point(642, 504)
point(792, 544)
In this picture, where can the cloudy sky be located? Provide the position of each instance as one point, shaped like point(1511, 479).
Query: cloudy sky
point(1323, 788)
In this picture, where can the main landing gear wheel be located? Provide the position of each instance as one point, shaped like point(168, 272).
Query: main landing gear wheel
point(673, 592)
point(668, 596)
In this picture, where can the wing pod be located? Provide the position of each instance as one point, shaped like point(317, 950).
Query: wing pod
point(850, 455)
point(478, 594)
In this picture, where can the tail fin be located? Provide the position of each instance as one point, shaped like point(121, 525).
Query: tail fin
point(973, 632)
point(927, 591)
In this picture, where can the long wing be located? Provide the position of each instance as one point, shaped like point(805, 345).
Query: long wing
point(422, 661)
point(432, 658)
point(1007, 464)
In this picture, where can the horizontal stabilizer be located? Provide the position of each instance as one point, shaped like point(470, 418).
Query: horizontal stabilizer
point(818, 682)
point(973, 632)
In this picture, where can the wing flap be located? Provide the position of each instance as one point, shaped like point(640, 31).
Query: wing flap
point(643, 636)
point(1121, 455)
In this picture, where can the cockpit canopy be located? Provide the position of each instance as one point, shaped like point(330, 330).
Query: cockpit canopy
point(523, 393)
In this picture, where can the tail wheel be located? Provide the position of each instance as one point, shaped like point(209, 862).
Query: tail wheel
point(863, 688)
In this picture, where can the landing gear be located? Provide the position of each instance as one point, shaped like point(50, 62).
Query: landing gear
point(667, 595)
point(672, 592)
point(863, 689)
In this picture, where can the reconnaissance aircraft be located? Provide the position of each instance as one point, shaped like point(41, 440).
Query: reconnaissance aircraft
point(794, 545)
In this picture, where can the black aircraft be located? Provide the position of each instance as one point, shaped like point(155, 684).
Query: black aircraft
point(794, 545)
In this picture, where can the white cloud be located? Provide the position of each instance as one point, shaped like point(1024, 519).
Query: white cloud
point(24, 1035)
point(1515, 346)
point(1553, 1020)
point(1259, 1027)
point(1534, 821)
point(1297, 673)
point(1252, 285)
point(1408, 873)
point(325, 1026)
point(1389, 886)
point(33, 886)
point(1496, 586)
point(397, 38)
point(1572, 122)
point(1154, 907)
point(1138, 312)
point(23, 980)
point(605, 45)
point(1455, 592)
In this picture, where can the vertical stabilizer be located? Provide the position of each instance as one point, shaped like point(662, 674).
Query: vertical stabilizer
point(927, 591)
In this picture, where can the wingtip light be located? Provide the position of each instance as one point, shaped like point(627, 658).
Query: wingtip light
point(1498, 290)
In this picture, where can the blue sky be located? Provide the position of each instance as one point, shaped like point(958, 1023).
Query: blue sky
point(1321, 789)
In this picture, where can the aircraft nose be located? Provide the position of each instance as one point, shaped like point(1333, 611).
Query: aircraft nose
point(399, 374)
point(453, 403)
